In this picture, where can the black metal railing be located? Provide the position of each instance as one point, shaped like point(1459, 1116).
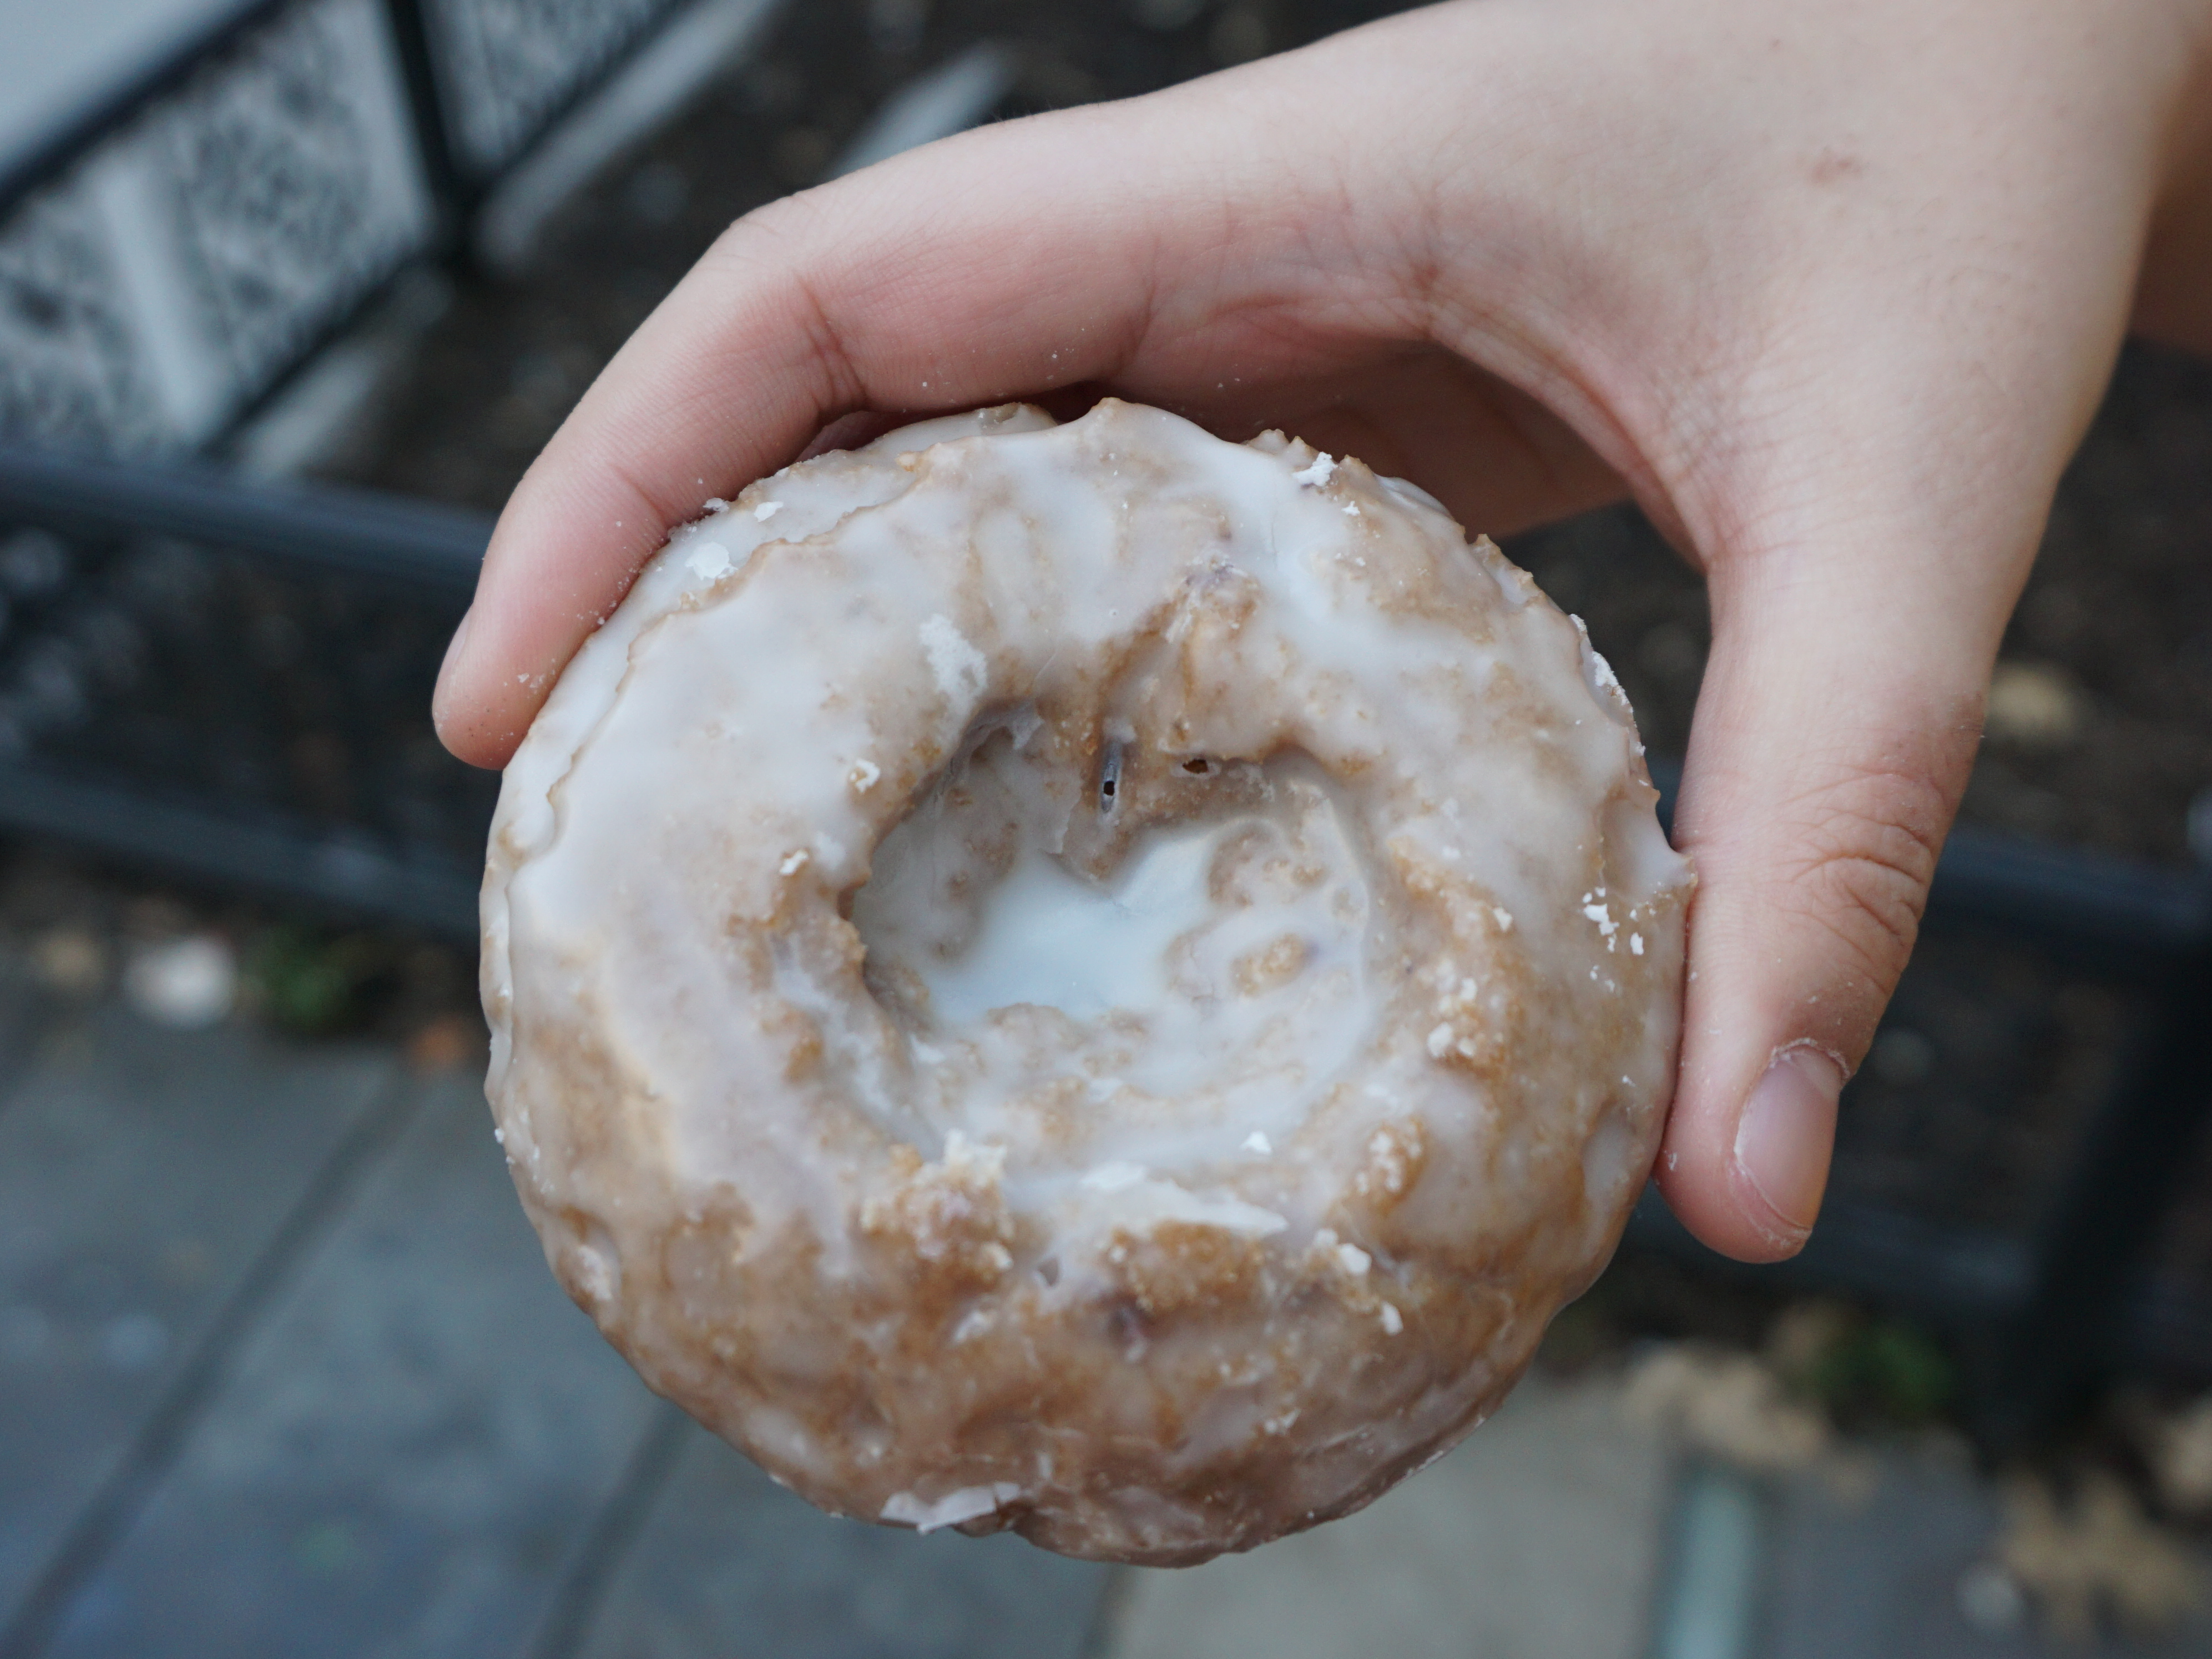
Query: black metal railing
point(231, 681)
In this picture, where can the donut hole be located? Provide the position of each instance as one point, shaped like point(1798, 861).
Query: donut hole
point(1199, 966)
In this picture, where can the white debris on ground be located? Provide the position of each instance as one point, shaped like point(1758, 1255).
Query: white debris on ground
point(1756, 1411)
point(2035, 705)
point(71, 960)
point(1728, 1405)
point(2095, 1557)
point(185, 984)
point(2179, 1449)
point(1990, 1599)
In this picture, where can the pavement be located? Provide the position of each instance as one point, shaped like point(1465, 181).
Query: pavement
point(281, 1371)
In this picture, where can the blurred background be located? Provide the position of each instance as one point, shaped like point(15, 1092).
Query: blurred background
point(290, 292)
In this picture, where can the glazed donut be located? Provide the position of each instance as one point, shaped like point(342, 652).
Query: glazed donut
point(1083, 978)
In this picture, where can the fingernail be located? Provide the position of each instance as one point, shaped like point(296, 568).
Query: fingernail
point(1788, 1128)
point(452, 655)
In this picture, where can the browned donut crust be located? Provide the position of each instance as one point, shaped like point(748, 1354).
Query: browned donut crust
point(1084, 978)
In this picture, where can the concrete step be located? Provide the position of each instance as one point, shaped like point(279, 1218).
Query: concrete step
point(146, 1179)
point(409, 1451)
point(728, 1563)
point(1540, 1538)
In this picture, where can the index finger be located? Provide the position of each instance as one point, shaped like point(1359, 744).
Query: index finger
point(1005, 262)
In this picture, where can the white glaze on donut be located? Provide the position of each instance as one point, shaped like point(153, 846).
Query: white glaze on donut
point(1082, 978)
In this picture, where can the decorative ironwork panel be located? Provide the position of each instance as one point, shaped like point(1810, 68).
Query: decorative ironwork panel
point(199, 251)
point(222, 223)
point(293, 185)
point(71, 373)
point(506, 66)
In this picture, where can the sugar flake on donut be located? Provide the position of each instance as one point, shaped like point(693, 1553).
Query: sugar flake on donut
point(1085, 979)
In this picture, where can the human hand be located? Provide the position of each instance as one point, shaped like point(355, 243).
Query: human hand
point(1832, 290)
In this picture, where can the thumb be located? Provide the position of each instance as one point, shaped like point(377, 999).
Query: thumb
point(1837, 720)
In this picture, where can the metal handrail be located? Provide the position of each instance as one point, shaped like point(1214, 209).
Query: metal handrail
point(360, 531)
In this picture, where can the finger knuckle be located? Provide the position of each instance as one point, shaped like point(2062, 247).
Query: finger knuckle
point(771, 254)
point(1868, 840)
point(756, 237)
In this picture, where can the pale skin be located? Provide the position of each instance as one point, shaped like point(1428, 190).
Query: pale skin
point(1831, 290)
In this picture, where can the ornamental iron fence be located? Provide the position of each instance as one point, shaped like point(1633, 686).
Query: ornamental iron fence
point(230, 681)
point(167, 258)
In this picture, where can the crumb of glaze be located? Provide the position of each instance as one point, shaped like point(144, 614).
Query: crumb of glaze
point(1112, 1177)
point(969, 1504)
point(1600, 913)
point(958, 667)
point(708, 562)
point(1318, 474)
